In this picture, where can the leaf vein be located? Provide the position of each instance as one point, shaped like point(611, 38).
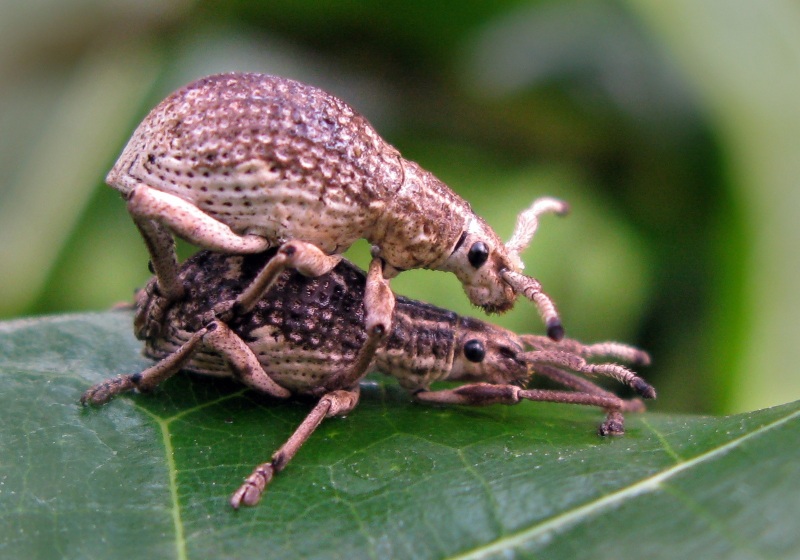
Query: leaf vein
point(663, 440)
point(172, 474)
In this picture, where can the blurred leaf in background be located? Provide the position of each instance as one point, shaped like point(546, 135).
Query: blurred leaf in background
point(670, 128)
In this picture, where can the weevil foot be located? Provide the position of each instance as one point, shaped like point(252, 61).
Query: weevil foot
point(249, 493)
point(613, 426)
point(104, 391)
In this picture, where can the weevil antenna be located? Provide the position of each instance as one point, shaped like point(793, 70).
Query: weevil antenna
point(532, 289)
point(575, 363)
point(602, 350)
point(528, 223)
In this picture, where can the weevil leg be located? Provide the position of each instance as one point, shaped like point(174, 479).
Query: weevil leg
point(378, 309)
point(150, 309)
point(190, 223)
point(614, 423)
point(217, 337)
point(584, 385)
point(335, 403)
point(578, 364)
point(378, 301)
point(602, 350)
point(104, 391)
point(304, 257)
point(157, 213)
point(241, 359)
point(479, 394)
point(360, 366)
point(163, 259)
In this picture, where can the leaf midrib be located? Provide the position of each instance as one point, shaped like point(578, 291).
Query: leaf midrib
point(172, 468)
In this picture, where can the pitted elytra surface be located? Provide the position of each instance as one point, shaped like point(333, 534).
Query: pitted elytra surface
point(304, 328)
point(274, 157)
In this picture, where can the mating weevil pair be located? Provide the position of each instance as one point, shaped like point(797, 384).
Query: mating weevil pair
point(305, 337)
point(240, 163)
point(264, 166)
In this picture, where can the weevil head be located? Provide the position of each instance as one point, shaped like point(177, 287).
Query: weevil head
point(478, 259)
point(491, 271)
point(489, 354)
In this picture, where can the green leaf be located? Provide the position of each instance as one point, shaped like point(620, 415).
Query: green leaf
point(149, 476)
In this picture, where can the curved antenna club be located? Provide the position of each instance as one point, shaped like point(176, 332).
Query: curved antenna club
point(532, 289)
point(528, 223)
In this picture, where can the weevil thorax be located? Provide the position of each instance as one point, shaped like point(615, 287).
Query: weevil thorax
point(430, 344)
point(421, 222)
point(477, 259)
point(427, 225)
point(487, 353)
point(421, 345)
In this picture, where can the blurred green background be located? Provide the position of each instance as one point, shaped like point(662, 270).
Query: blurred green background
point(672, 128)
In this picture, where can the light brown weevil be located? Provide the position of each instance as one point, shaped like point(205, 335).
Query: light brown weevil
point(307, 335)
point(239, 163)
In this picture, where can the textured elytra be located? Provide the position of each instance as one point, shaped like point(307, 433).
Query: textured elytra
point(283, 160)
point(306, 333)
point(304, 330)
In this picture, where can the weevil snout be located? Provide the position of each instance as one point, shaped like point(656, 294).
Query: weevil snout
point(478, 260)
point(494, 281)
point(491, 292)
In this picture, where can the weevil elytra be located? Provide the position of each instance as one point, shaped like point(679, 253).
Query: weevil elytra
point(307, 335)
point(240, 163)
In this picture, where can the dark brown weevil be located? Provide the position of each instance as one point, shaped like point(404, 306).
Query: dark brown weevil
point(307, 336)
point(239, 163)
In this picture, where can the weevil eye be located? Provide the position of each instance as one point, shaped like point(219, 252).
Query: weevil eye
point(474, 351)
point(478, 254)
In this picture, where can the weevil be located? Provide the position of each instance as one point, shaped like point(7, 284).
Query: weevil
point(307, 337)
point(240, 163)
